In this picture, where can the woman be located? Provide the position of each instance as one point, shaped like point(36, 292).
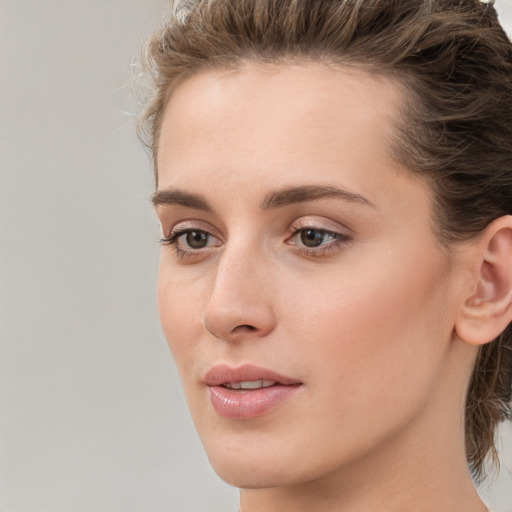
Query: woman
point(334, 185)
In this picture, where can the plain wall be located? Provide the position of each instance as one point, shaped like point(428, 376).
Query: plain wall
point(92, 417)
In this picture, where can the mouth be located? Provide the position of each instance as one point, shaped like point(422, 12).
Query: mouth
point(248, 391)
point(246, 377)
point(249, 385)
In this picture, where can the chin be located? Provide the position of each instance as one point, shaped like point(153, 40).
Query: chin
point(248, 475)
point(258, 463)
point(245, 465)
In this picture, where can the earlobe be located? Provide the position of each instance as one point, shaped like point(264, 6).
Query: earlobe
point(487, 311)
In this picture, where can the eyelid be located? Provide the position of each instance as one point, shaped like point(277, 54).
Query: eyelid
point(320, 223)
point(174, 238)
point(191, 225)
point(189, 255)
point(340, 237)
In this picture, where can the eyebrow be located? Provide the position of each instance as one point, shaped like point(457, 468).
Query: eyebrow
point(178, 197)
point(304, 193)
point(276, 199)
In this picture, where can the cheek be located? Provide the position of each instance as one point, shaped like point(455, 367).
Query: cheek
point(180, 315)
point(372, 328)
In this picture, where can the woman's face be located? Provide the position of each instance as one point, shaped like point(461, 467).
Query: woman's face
point(302, 268)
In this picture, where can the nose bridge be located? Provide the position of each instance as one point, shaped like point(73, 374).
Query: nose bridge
point(240, 303)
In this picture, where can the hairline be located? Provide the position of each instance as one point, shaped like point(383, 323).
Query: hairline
point(237, 63)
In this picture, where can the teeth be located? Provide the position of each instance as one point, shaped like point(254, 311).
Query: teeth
point(250, 384)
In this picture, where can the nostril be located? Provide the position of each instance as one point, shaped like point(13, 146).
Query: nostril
point(245, 327)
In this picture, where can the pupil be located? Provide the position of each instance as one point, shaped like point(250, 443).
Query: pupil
point(312, 237)
point(197, 239)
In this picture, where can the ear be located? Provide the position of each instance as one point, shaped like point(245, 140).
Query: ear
point(487, 311)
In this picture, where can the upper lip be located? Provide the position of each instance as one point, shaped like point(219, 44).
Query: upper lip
point(221, 374)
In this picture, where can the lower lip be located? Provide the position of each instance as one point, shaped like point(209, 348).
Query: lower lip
point(244, 405)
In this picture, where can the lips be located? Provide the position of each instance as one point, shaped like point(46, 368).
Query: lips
point(247, 391)
point(223, 374)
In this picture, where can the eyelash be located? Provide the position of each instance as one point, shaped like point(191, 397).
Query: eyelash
point(339, 240)
point(172, 239)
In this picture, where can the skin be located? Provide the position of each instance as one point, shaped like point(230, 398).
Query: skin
point(365, 322)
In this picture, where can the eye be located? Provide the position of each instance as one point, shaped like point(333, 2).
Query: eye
point(316, 241)
point(190, 241)
point(315, 237)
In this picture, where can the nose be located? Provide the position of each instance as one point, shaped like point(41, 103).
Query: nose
point(240, 305)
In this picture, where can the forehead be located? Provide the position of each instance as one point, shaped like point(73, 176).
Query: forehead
point(276, 120)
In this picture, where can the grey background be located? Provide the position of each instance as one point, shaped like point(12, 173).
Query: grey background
point(91, 414)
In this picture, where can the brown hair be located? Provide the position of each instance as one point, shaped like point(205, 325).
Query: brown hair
point(456, 127)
